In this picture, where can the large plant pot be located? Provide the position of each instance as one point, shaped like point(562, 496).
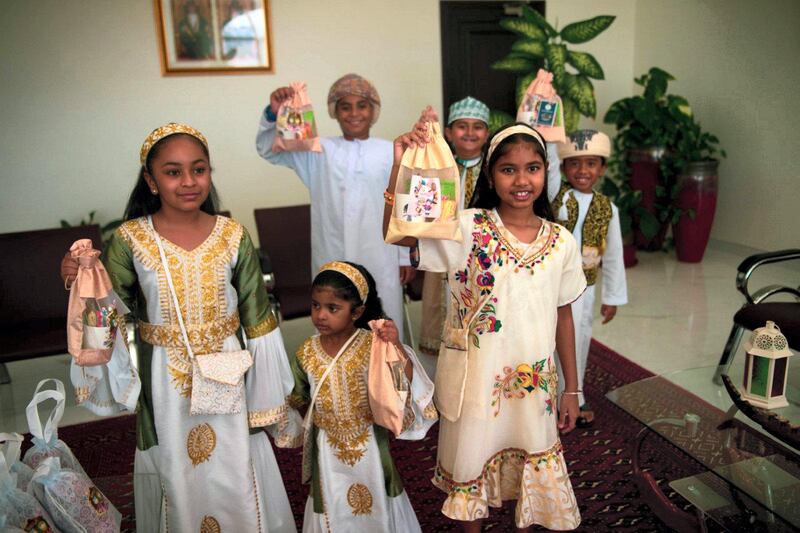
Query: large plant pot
point(645, 177)
point(698, 185)
point(629, 251)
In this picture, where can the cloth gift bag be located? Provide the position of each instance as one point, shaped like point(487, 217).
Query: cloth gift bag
point(94, 311)
point(541, 108)
point(295, 125)
point(72, 499)
point(387, 385)
point(45, 440)
point(427, 193)
point(19, 510)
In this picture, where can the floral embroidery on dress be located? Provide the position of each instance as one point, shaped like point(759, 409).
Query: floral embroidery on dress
point(486, 322)
point(526, 379)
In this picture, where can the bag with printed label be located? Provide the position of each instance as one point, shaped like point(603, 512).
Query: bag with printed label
point(541, 108)
point(296, 128)
point(427, 193)
point(387, 385)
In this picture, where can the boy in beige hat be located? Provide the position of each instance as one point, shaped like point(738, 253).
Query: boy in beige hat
point(594, 221)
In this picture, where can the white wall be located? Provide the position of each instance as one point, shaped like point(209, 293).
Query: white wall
point(82, 88)
point(738, 63)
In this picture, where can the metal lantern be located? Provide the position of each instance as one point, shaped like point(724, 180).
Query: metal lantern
point(766, 366)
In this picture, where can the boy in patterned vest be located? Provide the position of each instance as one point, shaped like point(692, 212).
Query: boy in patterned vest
point(594, 221)
point(467, 130)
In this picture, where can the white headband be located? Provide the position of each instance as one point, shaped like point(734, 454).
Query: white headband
point(508, 132)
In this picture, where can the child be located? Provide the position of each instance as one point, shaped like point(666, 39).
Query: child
point(594, 221)
point(343, 180)
point(354, 483)
point(511, 282)
point(466, 131)
point(204, 472)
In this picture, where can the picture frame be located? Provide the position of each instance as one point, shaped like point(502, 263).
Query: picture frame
point(214, 36)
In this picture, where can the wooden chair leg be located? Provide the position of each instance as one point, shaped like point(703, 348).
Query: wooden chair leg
point(731, 346)
point(5, 377)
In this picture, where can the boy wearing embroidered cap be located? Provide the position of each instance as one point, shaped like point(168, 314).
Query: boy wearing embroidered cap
point(594, 221)
point(467, 130)
point(344, 180)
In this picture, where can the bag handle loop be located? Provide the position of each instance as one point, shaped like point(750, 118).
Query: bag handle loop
point(32, 413)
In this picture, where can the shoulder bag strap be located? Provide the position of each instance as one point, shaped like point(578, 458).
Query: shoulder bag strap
point(318, 386)
point(171, 287)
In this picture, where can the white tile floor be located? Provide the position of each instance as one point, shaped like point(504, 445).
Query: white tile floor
point(678, 317)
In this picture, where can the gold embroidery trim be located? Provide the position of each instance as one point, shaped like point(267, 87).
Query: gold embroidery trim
point(201, 336)
point(342, 405)
point(541, 246)
point(359, 498)
point(200, 443)
point(266, 417)
point(210, 525)
point(262, 328)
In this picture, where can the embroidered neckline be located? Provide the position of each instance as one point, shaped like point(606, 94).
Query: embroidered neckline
point(541, 246)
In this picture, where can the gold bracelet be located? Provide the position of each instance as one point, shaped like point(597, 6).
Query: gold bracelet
point(388, 198)
point(571, 393)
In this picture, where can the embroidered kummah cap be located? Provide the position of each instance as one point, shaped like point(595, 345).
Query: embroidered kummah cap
point(585, 142)
point(351, 273)
point(353, 84)
point(468, 107)
point(165, 131)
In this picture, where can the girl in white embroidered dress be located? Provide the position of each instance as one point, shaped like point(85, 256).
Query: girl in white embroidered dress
point(510, 285)
point(205, 472)
point(354, 483)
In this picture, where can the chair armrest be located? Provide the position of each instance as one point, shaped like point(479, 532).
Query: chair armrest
point(750, 264)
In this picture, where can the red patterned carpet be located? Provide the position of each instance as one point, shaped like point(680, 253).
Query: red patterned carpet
point(598, 458)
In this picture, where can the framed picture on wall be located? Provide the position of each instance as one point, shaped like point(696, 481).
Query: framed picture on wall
point(213, 36)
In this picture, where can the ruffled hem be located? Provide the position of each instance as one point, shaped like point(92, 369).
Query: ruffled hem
point(538, 481)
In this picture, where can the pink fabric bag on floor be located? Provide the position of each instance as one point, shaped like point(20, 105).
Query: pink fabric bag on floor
point(296, 127)
point(387, 386)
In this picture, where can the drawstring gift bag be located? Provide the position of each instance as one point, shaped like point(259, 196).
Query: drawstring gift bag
point(541, 108)
point(73, 500)
point(19, 510)
point(387, 385)
point(427, 193)
point(296, 129)
point(45, 438)
point(95, 312)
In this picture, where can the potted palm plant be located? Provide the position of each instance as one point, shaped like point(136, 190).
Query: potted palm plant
point(658, 142)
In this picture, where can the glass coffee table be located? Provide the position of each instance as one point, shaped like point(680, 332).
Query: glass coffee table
point(747, 478)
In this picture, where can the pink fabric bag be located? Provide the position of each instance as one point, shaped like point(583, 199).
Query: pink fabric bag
point(541, 108)
point(296, 128)
point(387, 384)
point(93, 314)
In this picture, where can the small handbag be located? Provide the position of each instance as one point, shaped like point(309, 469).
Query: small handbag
point(387, 385)
point(217, 378)
point(542, 109)
point(295, 124)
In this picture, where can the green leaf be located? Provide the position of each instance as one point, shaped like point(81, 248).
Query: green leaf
point(531, 15)
point(524, 27)
point(656, 83)
point(648, 223)
point(580, 90)
point(556, 56)
point(586, 30)
point(585, 64)
point(661, 191)
point(498, 119)
point(65, 224)
point(529, 46)
point(514, 64)
point(523, 82)
point(571, 115)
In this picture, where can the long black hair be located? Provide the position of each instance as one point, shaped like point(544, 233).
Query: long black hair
point(485, 196)
point(142, 202)
point(345, 289)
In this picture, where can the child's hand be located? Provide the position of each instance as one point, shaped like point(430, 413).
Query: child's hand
point(608, 312)
point(279, 96)
point(568, 412)
point(388, 332)
point(418, 136)
point(407, 274)
point(69, 269)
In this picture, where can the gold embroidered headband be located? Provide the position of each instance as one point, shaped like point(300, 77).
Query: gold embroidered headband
point(165, 131)
point(351, 273)
point(508, 132)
